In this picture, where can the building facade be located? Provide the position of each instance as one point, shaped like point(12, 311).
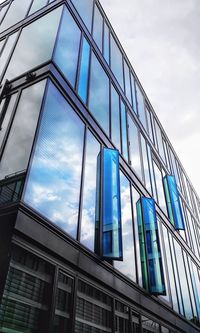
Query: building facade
point(68, 95)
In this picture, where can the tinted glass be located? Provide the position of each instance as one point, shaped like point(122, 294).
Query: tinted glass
point(127, 266)
point(160, 141)
point(22, 131)
point(99, 94)
point(84, 68)
point(53, 186)
point(85, 8)
point(37, 4)
point(127, 82)
point(4, 57)
point(160, 189)
point(150, 130)
point(141, 107)
point(134, 147)
point(135, 198)
point(124, 131)
point(116, 62)
point(3, 11)
point(17, 11)
point(115, 118)
point(35, 45)
point(7, 117)
point(133, 93)
point(106, 43)
point(67, 47)
point(146, 164)
point(89, 192)
point(98, 28)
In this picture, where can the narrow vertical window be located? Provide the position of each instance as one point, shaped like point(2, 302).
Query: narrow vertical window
point(106, 43)
point(150, 247)
point(173, 202)
point(115, 118)
point(116, 62)
point(84, 67)
point(98, 28)
point(108, 213)
point(127, 82)
point(124, 131)
point(141, 107)
point(133, 93)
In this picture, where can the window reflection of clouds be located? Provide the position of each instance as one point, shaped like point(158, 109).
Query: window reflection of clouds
point(160, 189)
point(127, 266)
point(35, 44)
point(89, 193)
point(134, 148)
point(85, 8)
point(22, 131)
point(99, 94)
point(53, 186)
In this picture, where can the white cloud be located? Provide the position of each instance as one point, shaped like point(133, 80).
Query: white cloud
point(161, 39)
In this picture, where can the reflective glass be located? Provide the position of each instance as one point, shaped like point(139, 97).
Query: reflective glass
point(98, 28)
point(183, 281)
point(111, 206)
point(124, 131)
point(141, 107)
point(2, 11)
point(175, 168)
point(192, 232)
point(134, 147)
point(36, 5)
point(150, 130)
point(160, 141)
point(99, 94)
point(127, 82)
point(115, 118)
point(84, 71)
point(127, 266)
point(67, 47)
point(4, 57)
point(153, 184)
point(173, 202)
point(35, 44)
point(106, 43)
point(85, 9)
point(2, 42)
point(160, 189)
point(170, 270)
point(196, 284)
point(152, 246)
point(16, 12)
point(22, 131)
point(146, 164)
point(89, 192)
point(7, 117)
point(116, 62)
point(53, 185)
point(133, 93)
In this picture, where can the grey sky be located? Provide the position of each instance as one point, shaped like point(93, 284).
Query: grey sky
point(162, 41)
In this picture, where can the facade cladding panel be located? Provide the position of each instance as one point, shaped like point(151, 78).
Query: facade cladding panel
point(93, 236)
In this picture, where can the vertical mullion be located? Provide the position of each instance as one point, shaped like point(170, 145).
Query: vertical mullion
point(79, 62)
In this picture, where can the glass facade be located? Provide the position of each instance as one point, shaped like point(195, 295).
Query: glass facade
point(81, 149)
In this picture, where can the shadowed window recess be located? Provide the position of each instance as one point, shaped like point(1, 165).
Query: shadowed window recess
point(108, 233)
point(173, 202)
point(151, 261)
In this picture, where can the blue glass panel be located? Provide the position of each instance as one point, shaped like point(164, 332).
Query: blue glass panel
point(124, 131)
point(115, 118)
point(152, 246)
point(83, 76)
point(98, 28)
point(141, 107)
point(173, 202)
point(106, 43)
point(111, 231)
point(133, 93)
point(116, 62)
point(99, 94)
point(85, 8)
point(127, 82)
point(53, 186)
point(134, 147)
point(67, 47)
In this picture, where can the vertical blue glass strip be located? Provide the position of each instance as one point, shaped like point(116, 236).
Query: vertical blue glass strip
point(173, 202)
point(111, 206)
point(124, 131)
point(83, 76)
point(152, 246)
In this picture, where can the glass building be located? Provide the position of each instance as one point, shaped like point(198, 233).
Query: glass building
point(99, 223)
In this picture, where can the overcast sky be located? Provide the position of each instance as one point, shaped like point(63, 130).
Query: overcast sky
point(162, 41)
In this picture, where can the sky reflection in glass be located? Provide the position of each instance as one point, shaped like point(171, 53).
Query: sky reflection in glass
point(85, 8)
point(98, 28)
point(134, 148)
point(89, 192)
point(84, 68)
point(67, 47)
point(127, 266)
point(53, 186)
point(115, 118)
point(116, 62)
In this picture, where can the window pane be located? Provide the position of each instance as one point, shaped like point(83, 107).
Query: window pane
point(150, 130)
point(67, 47)
point(84, 67)
point(106, 43)
point(145, 164)
point(133, 93)
point(7, 51)
point(17, 11)
point(116, 62)
point(121, 318)
point(7, 117)
point(149, 326)
point(124, 131)
point(160, 190)
point(89, 192)
point(160, 141)
point(35, 44)
point(98, 28)
point(127, 266)
point(37, 4)
point(22, 131)
point(85, 8)
point(134, 148)
point(135, 198)
point(115, 118)
point(2, 11)
point(127, 82)
point(53, 186)
point(141, 107)
point(99, 94)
